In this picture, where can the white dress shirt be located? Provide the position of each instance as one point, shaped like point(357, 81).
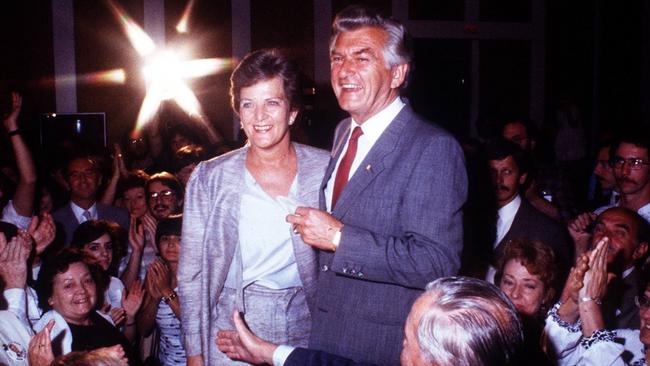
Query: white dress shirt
point(372, 130)
point(79, 212)
point(506, 215)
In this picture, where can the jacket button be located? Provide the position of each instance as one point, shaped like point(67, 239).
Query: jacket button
point(324, 268)
point(360, 274)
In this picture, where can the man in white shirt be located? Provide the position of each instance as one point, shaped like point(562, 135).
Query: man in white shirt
point(390, 215)
point(516, 217)
point(84, 178)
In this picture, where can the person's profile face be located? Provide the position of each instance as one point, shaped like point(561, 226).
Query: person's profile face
point(411, 353)
point(362, 81)
point(516, 132)
point(603, 171)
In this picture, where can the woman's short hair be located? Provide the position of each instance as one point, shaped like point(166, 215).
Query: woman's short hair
point(398, 46)
point(469, 322)
point(98, 357)
point(172, 225)
point(91, 230)
point(263, 65)
point(134, 179)
point(537, 257)
point(59, 263)
point(186, 155)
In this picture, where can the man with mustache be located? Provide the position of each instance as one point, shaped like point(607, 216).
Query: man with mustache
point(516, 217)
point(604, 174)
point(164, 195)
point(631, 166)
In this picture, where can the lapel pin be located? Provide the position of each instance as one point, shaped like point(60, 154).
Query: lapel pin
point(368, 167)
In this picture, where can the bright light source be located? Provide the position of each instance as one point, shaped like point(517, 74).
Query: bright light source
point(182, 25)
point(165, 71)
point(165, 67)
point(139, 39)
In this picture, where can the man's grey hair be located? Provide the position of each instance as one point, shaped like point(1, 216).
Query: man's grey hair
point(397, 50)
point(470, 322)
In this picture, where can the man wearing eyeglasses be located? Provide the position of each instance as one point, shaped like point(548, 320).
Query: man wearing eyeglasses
point(164, 195)
point(631, 165)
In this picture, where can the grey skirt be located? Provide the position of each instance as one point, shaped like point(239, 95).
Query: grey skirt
point(278, 316)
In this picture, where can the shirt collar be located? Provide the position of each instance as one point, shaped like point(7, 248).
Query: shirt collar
point(374, 126)
point(78, 211)
point(508, 211)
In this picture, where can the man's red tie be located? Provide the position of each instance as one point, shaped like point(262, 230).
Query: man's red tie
point(343, 173)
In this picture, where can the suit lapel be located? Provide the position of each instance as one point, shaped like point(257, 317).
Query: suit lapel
point(374, 162)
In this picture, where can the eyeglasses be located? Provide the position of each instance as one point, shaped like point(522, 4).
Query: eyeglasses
point(642, 302)
point(162, 194)
point(634, 163)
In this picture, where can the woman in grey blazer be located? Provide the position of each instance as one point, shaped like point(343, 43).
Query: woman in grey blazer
point(238, 251)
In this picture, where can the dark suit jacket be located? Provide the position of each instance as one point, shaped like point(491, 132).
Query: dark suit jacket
point(308, 357)
point(66, 222)
point(620, 296)
point(403, 228)
point(532, 224)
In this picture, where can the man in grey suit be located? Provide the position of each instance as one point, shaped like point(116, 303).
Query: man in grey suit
point(84, 177)
point(390, 216)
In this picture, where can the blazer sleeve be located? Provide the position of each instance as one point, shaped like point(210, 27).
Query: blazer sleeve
point(429, 218)
point(308, 357)
point(190, 274)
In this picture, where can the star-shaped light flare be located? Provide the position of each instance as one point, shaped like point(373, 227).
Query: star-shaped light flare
point(165, 71)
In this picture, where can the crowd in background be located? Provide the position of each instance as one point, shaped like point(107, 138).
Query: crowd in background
point(90, 250)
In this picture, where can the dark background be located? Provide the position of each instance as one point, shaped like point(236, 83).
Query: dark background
point(596, 58)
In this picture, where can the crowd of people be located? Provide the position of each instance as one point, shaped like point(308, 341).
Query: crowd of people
point(399, 246)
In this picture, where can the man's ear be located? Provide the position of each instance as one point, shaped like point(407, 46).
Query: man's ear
point(522, 178)
point(640, 251)
point(398, 75)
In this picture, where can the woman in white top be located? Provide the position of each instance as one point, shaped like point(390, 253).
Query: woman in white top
point(161, 305)
point(239, 253)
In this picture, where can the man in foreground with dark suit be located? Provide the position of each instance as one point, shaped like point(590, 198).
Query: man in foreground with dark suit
point(457, 321)
point(517, 218)
point(390, 216)
point(83, 176)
